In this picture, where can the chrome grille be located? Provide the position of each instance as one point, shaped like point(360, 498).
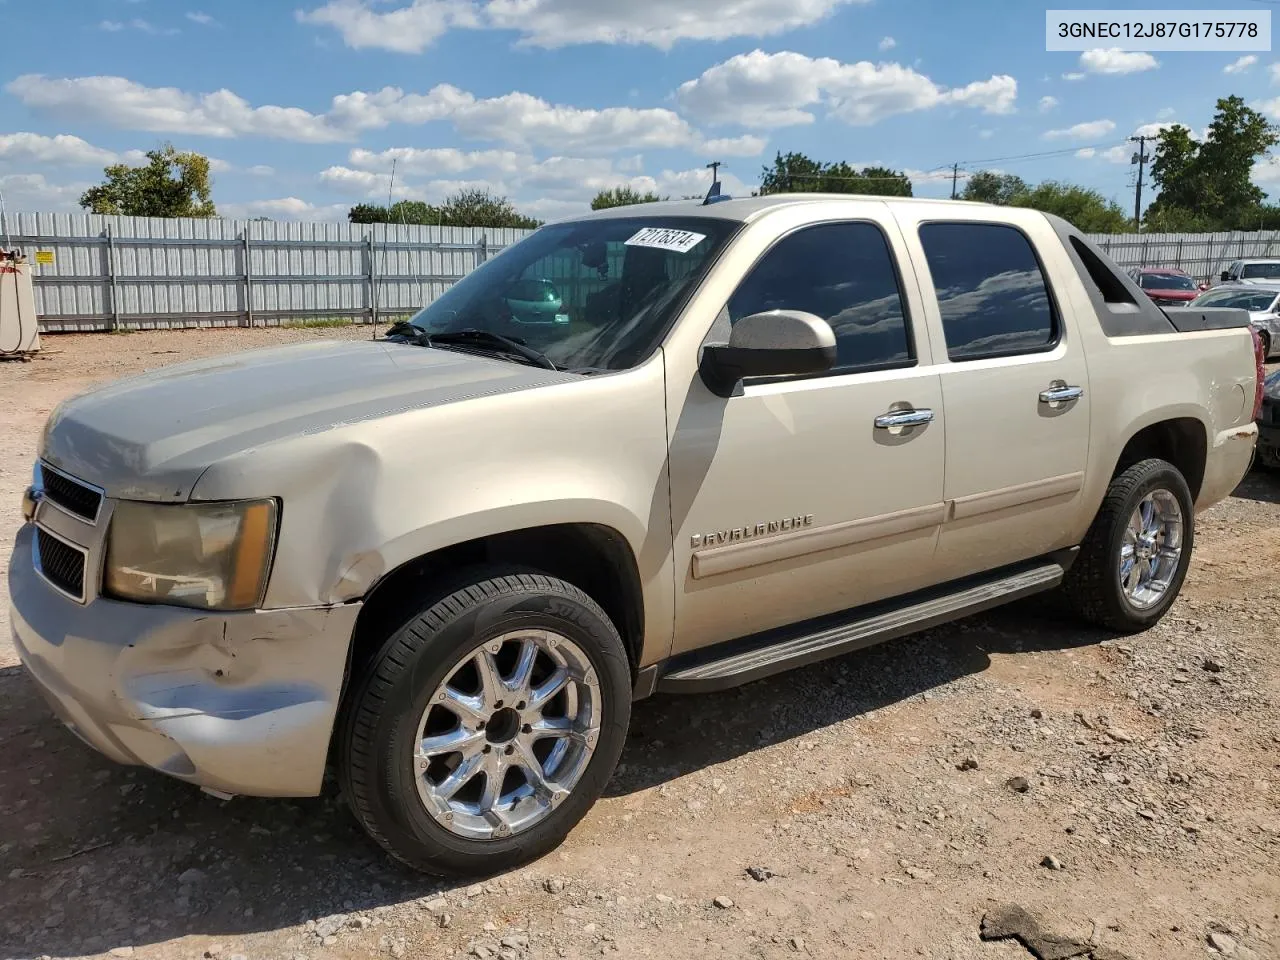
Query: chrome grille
point(61, 564)
point(78, 499)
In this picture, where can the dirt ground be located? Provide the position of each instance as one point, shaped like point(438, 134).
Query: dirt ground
point(1125, 792)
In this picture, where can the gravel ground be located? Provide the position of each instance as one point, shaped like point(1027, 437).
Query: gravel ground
point(1123, 792)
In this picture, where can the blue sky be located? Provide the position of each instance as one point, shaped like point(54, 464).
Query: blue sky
point(304, 104)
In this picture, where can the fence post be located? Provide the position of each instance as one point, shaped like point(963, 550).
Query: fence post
point(1178, 255)
point(248, 279)
point(482, 249)
point(111, 276)
point(373, 279)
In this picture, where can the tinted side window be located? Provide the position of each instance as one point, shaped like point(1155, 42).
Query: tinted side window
point(843, 273)
point(991, 292)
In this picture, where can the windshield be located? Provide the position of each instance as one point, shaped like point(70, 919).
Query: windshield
point(589, 294)
point(1253, 271)
point(1241, 299)
point(1167, 281)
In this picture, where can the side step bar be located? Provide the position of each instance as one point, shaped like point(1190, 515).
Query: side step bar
point(742, 661)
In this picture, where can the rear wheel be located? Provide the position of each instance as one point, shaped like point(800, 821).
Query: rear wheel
point(1134, 559)
point(1264, 340)
point(487, 727)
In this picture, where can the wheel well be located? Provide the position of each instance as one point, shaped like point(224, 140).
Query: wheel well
point(595, 559)
point(1182, 441)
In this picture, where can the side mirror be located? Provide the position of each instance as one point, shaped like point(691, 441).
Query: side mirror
point(1226, 274)
point(773, 344)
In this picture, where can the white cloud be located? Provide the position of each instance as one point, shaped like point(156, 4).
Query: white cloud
point(407, 30)
point(198, 16)
point(1086, 153)
point(32, 192)
point(1266, 172)
point(438, 161)
point(1090, 130)
point(1274, 70)
point(1155, 129)
point(413, 27)
point(887, 43)
point(1164, 113)
point(1046, 104)
point(986, 134)
point(1073, 76)
point(284, 208)
point(747, 145)
point(132, 106)
point(516, 118)
point(1116, 61)
point(1270, 107)
point(1240, 65)
point(1116, 154)
point(111, 26)
point(61, 150)
point(760, 89)
point(261, 170)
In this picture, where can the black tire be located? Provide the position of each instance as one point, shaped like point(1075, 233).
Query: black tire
point(1266, 345)
point(1092, 588)
point(379, 725)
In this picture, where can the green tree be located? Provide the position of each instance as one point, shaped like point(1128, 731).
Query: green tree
point(169, 184)
point(1087, 210)
point(987, 186)
point(797, 173)
point(623, 197)
point(480, 208)
point(368, 213)
point(1209, 183)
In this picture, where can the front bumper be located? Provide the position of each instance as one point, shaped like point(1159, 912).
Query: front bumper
point(242, 703)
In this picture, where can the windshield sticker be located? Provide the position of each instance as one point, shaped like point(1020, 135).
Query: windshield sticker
point(663, 238)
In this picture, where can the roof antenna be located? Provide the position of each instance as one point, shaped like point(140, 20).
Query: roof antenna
point(714, 195)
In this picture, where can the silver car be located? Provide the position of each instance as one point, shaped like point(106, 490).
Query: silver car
point(1262, 300)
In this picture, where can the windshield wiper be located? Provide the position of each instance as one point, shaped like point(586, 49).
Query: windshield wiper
point(490, 342)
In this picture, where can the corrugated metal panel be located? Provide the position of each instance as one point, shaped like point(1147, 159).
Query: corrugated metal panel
point(143, 273)
point(136, 272)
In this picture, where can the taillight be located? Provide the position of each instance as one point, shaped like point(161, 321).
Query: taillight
point(1261, 361)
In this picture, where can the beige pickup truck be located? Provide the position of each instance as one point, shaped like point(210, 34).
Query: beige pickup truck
point(673, 447)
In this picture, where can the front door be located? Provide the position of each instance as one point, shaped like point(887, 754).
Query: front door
point(788, 500)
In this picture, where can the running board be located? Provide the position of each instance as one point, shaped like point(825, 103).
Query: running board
point(742, 661)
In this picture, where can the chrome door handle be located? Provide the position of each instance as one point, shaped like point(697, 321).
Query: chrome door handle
point(903, 418)
point(1060, 394)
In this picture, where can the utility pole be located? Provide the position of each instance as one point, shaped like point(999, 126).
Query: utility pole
point(714, 166)
point(955, 175)
point(1140, 158)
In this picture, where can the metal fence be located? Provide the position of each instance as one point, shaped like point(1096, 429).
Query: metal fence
point(1203, 255)
point(105, 273)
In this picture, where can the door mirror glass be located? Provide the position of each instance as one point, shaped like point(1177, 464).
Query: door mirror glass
point(776, 343)
point(1226, 274)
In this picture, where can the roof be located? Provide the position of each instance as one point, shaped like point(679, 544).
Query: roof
point(748, 208)
point(1176, 271)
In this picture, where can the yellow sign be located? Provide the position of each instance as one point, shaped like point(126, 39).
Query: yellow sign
point(44, 256)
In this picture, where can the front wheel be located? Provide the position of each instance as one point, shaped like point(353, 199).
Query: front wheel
point(487, 726)
point(1134, 558)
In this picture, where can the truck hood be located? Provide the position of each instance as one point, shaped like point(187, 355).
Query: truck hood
point(151, 437)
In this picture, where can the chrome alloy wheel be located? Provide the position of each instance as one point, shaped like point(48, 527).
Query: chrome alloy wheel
point(1151, 549)
point(508, 734)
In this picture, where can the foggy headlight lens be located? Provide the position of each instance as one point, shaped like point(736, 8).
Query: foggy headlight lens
point(215, 556)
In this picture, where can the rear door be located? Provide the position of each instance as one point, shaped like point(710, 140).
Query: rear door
point(1014, 387)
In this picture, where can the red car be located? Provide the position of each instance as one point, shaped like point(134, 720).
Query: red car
point(1168, 286)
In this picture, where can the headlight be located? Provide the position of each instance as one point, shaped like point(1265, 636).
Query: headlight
point(210, 555)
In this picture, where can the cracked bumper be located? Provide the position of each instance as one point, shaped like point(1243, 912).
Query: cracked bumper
point(242, 703)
